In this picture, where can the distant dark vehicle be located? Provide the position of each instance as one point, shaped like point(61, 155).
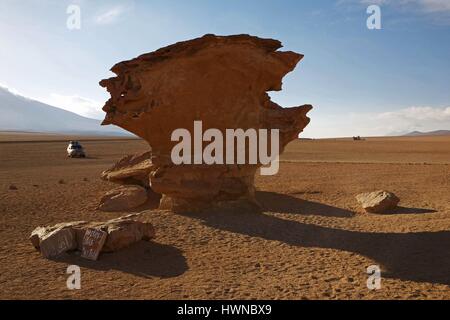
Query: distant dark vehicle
point(75, 150)
point(358, 138)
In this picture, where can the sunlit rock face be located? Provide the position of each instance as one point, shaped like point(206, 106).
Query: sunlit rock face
point(221, 81)
point(130, 170)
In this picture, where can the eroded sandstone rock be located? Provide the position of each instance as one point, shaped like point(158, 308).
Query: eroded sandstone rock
point(121, 232)
point(221, 81)
point(53, 240)
point(123, 198)
point(126, 230)
point(378, 201)
point(131, 169)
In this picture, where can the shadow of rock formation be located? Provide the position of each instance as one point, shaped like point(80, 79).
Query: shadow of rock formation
point(144, 259)
point(404, 210)
point(418, 256)
point(282, 203)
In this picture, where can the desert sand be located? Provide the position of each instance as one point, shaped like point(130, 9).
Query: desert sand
point(311, 242)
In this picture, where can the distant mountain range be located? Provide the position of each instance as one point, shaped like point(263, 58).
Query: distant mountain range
point(18, 113)
point(430, 133)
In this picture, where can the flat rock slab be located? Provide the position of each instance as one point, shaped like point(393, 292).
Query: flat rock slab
point(131, 170)
point(378, 201)
point(91, 238)
point(123, 198)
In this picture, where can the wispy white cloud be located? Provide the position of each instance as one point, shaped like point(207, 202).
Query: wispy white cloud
point(74, 103)
point(438, 10)
point(429, 6)
point(420, 114)
point(110, 16)
point(435, 5)
point(9, 88)
point(421, 118)
point(376, 2)
point(415, 118)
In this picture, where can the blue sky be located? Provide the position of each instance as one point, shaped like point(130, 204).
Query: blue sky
point(360, 81)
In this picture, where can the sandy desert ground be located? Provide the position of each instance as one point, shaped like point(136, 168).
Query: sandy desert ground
point(311, 242)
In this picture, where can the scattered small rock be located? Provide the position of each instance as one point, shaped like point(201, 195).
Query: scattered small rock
point(378, 201)
point(85, 179)
point(13, 187)
point(61, 181)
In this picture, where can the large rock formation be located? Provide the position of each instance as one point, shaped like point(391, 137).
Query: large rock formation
point(54, 240)
point(221, 81)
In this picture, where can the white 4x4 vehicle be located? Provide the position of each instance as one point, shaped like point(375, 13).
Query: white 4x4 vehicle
point(75, 150)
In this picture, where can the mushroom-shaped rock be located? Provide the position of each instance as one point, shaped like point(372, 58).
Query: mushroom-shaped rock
point(378, 201)
point(220, 81)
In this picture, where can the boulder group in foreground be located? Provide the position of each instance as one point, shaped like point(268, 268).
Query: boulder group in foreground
point(91, 238)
